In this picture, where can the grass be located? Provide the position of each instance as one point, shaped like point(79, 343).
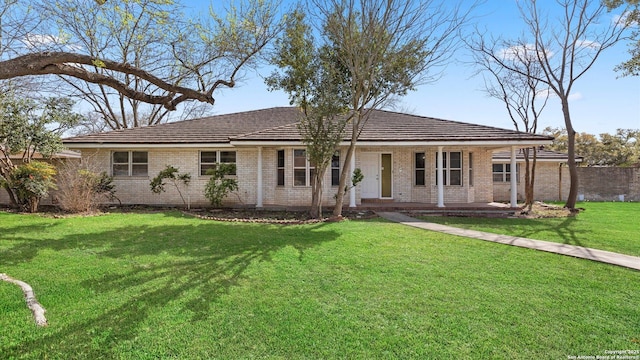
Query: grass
point(608, 226)
point(165, 285)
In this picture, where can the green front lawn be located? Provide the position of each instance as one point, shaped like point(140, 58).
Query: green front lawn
point(165, 285)
point(611, 226)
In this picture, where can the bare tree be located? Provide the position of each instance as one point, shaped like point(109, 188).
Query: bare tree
point(387, 47)
point(565, 48)
point(133, 34)
point(522, 94)
point(117, 47)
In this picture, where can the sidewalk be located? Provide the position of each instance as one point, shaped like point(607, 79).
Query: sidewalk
point(628, 261)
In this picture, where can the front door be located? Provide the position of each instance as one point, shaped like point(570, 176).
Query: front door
point(370, 166)
point(376, 169)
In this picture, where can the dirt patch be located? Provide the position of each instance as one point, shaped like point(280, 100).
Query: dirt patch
point(542, 210)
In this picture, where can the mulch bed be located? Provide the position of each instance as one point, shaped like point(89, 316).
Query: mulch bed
point(274, 217)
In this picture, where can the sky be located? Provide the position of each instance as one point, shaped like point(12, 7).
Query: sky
point(601, 101)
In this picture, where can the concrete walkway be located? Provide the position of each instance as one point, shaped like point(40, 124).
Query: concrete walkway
point(628, 261)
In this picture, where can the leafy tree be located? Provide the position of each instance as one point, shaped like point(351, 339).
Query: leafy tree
point(314, 81)
point(631, 17)
point(30, 182)
point(120, 45)
point(220, 185)
point(386, 49)
point(565, 48)
point(619, 149)
point(173, 176)
point(28, 127)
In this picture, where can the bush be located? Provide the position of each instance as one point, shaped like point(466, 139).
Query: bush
point(81, 188)
point(172, 176)
point(219, 185)
point(31, 182)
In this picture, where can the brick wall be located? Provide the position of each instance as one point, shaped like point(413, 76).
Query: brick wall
point(551, 183)
point(136, 190)
point(594, 183)
point(608, 183)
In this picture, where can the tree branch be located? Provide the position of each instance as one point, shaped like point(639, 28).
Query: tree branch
point(59, 63)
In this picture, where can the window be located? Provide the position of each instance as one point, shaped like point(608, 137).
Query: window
point(335, 169)
point(419, 169)
point(452, 167)
point(470, 169)
point(502, 172)
point(130, 163)
point(280, 167)
point(209, 160)
point(302, 170)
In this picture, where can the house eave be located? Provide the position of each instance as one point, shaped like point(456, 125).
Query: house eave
point(484, 143)
point(520, 160)
point(146, 145)
point(236, 143)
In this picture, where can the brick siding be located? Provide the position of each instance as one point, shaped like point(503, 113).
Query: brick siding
point(135, 190)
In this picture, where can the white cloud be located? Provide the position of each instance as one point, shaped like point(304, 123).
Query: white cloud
point(548, 92)
point(37, 40)
point(519, 52)
point(621, 20)
point(46, 40)
point(575, 96)
point(588, 44)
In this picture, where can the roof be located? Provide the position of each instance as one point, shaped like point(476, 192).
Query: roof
point(64, 154)
point(279, 125)
point(542, 155)
point(212, 129)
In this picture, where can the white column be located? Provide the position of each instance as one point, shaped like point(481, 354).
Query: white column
point(440, 175)
point(352, 192)
point(259, 190)
point(514, 179)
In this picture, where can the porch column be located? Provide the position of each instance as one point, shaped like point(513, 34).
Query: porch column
point(352, 192)
point(440, 175)
point(514, 179)
point(259, 188)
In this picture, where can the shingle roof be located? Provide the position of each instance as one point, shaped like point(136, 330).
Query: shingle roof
point(212, 129)
point(279, 124)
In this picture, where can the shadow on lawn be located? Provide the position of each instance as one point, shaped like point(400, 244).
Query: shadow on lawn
point(191, 265)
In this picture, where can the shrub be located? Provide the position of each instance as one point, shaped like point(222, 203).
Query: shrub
point(219, 185)
point(81, 188)
point(31, 182)
point(171, 175)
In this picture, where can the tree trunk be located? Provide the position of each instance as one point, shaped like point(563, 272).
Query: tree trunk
point(571, 162)
point(530, 176)
point(533, 176)
point(32, 204)
point(345, 177)
point(12, 197)
point(527, 180)
point(316, 196)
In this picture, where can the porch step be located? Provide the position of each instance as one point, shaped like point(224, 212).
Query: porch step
point(377, 201)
